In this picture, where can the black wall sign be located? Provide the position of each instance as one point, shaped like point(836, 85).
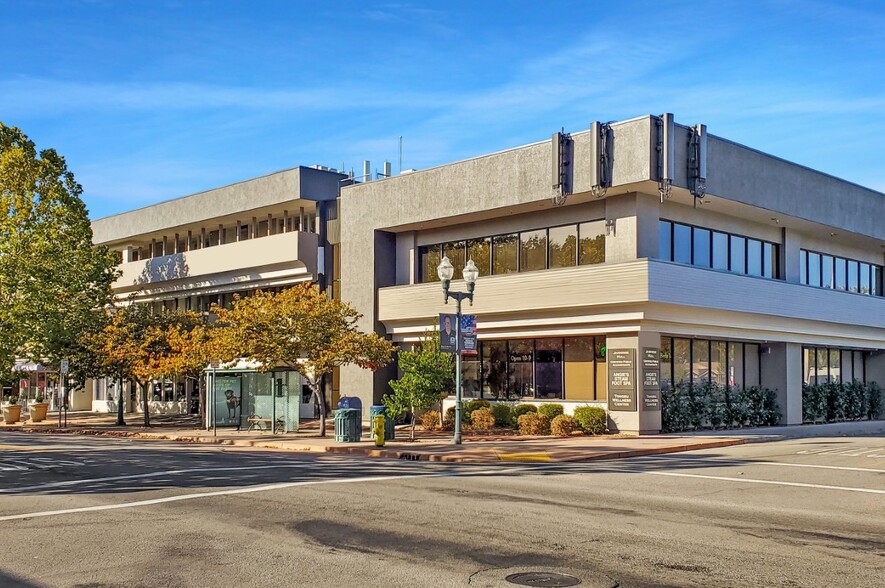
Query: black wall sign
point(651, 378)
point(622, 379)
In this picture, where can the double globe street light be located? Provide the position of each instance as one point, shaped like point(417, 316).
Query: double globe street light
point(445, 271)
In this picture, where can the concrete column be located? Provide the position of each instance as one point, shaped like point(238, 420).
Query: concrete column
point(781, 371)
point(187, 246)
point(269, 225)
point(202, 237)
point(642, 420)
point(631, 227)
point(253, 232)
point(221, 234)
point(177, 247)
point(285, 221)
point(405, 258)
point(874, 367)
point(126, 255)
point(153, 248)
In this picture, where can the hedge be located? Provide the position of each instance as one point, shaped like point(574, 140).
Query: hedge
point(832, 402)
point(708, 405)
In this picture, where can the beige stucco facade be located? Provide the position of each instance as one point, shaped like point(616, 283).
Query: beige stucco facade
point(634, 298)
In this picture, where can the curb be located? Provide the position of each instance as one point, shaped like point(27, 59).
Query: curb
point(402, 455)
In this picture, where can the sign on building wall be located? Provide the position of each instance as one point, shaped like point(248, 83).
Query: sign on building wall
point(651, 378)
point(448, 335)
point(621, 379)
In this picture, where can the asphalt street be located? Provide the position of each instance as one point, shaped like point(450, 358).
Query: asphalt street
point(102, 513)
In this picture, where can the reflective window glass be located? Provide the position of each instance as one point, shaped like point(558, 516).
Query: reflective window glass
point(480, 251)
point(803, 267)
point(494, 370)
point(681, 360)
point(826, 271)
point(754, 257)
point(456, 252)
point(666, 363)
point(835, 365)
point(813, 269)
point(864, 278)
point(592, 246)
point(548, 368)
point(737, 250)
point(579, 378)
point(505, 250)
point(736, 365)
point(681, 243)
point(718, 362)
point(563, 242)
point(720, 251)
point(701, 248)
point(841, 274)
point(852, 276)
point(809, 366)
point(768, 260)
point(665, 245)
point(533, 250)
point(700, 361)
point(519, 368)
point(429, 260)
point(470, 376)
point(876, 281)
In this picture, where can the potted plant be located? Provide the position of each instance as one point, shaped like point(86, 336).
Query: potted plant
point(38, 408)
point(12, 410)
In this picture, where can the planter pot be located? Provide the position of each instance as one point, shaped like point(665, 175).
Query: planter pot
point(12, 413)
point(38, 411)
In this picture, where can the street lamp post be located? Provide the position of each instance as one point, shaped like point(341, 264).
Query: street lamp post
point(445, 271)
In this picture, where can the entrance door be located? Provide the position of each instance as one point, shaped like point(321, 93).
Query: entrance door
point(307, 409)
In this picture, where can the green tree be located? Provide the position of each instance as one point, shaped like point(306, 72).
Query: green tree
point(299, 328)
point(427, 374)
point(53, 280)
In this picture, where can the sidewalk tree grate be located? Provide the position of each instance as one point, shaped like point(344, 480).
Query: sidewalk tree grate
point(543, 579)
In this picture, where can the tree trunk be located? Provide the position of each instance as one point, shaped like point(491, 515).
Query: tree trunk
point(412, 433)
point(120, 421)
point(315, 388)
point(145, 405)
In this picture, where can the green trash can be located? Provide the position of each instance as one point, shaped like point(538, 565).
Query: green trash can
point(389, 431)
point(347, 425)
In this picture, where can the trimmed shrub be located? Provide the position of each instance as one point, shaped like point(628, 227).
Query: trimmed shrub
point(468, 407)
point(707, 405)
point(450, 414)
point(503, 415)
point(519, 410)
point(532, 423)
point(563, 425)
point(482, 419)
point(591, 419)
point(430, 420)
point(833, 401)
point(551, 410)
point(875, 400)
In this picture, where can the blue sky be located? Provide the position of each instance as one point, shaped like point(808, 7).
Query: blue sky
point(158, 99)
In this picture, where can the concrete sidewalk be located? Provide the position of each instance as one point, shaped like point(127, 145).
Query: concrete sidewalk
point(438, 446)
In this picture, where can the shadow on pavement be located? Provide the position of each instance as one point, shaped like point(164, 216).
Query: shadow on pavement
point(8, 580)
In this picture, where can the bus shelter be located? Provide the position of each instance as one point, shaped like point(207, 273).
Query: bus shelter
point(247, 399)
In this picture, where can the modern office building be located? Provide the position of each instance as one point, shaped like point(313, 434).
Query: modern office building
point(266, 233)
point(623, 258)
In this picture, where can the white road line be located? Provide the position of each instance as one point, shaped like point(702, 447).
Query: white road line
point(250, 489)
point(748, 463)
point(755, 481)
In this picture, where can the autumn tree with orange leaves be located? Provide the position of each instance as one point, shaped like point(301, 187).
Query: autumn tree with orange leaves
point(301, 329)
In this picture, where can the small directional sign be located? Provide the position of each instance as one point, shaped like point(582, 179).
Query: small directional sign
point(65, 367)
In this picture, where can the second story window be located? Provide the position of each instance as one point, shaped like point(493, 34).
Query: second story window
point(717, 250)
point(839, 273)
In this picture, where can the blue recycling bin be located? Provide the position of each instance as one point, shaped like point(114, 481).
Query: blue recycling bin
point(389, 431)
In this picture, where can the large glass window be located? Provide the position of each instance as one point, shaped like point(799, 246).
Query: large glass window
point(718, 362)
point(681, 360)
point(876, 280)
point(666, 363)
point(494, 370)
point(563, 242)
point(470, 376)
point(737, 250)
point(480, 251)
point(505, 252)
point(720, 251)
point(803, 267)
point(520, 358)
point(533, 250)
point(769, 260)
point(835, 365)
point(841, 274)
point(826, 271)
point(592, 246)
point(665, 242)
point(429, 261)
point(754, 257)
point(736, 365)
point(864, 278)
point(700, 361)
point(814, 269)
point(701, 248)
point(681, 243)
point(548, 368)
point(601, 368)
point(456, 251)
point(852, 276)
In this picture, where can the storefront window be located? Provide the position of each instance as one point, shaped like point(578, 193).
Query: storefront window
point(681, 360)
point(666, 363)
point(520, 358)
point(579, 377)
point(718, 362)
point(430, 258)
point(548, 368)
point(601, 368)
point(736, 365)
point(470, 376)
point(700, 371)
point(494, 369)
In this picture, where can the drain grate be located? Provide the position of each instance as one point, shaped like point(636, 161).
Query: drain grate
point(543, 579)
